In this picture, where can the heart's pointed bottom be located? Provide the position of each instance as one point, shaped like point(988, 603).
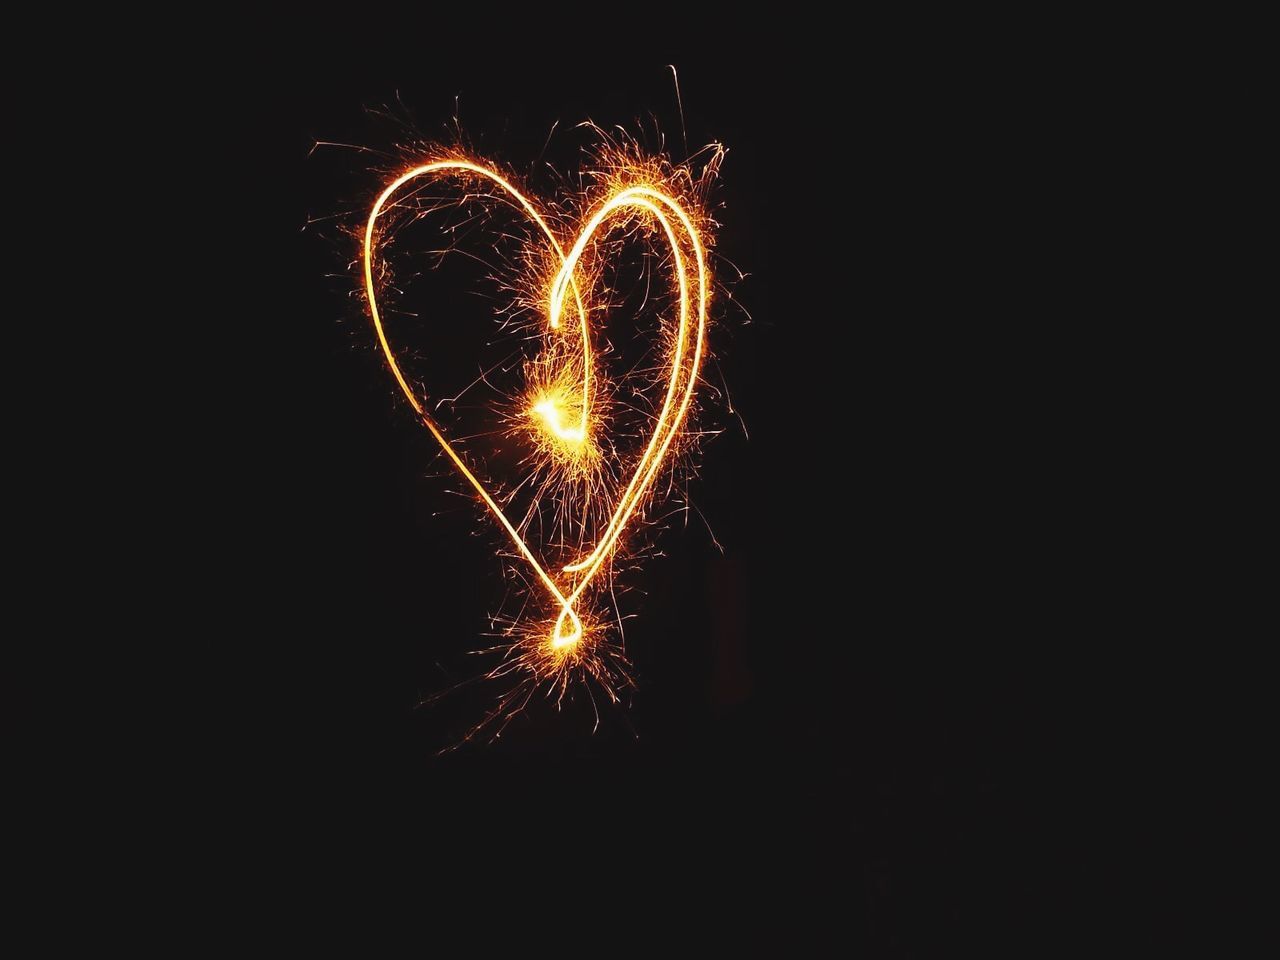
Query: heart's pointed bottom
point(568, 631)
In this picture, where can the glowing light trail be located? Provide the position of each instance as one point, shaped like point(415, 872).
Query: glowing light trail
point(623, 201)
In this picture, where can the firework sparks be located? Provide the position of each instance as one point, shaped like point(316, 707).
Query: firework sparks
point(563, 414)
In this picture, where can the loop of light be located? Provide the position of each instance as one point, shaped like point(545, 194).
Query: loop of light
point(568, 627)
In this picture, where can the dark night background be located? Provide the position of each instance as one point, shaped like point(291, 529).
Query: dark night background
point(897, 707)
point(987, 705)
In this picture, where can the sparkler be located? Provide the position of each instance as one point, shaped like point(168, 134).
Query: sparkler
point(563, 414)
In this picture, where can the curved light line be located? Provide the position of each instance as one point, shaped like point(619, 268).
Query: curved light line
point(568, 627)
point(529, 208)
point(639, 196)
point(370, 291)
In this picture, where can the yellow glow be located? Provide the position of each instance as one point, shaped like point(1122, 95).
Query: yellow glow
point(552, 408)
point(549, 411)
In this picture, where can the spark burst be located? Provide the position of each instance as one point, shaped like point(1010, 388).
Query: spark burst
point(597, 495)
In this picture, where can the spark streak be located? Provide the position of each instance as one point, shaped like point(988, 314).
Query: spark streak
point(635, 194)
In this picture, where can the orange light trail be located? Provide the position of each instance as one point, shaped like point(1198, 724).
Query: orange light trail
point(624, 200)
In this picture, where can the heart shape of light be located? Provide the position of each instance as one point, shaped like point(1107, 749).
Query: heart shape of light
point(686, 360)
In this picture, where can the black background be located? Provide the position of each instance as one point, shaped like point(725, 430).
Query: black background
point(881, 689)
